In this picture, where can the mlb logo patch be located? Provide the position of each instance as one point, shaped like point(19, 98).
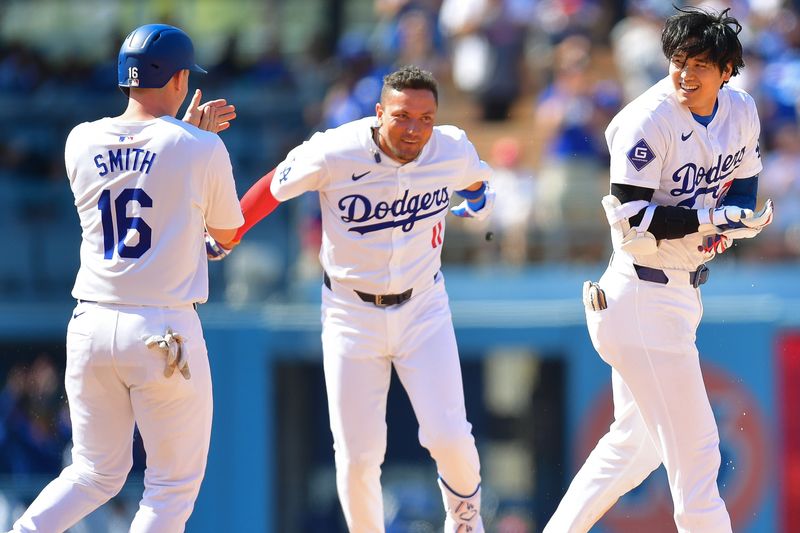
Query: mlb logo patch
point(640, 155)
point(133, 82)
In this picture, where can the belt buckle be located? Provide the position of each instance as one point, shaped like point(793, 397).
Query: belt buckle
point(700, 276)
point(379, 300)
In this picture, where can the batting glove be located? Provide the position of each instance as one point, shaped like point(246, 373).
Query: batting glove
point(715, 243)
point(473, 209)
point(214, 250)
point(594, 297)
point(171, 344)
point(736, 222)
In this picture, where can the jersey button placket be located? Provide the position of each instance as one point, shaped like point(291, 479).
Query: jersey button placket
point(394, 327)
point(713, 141)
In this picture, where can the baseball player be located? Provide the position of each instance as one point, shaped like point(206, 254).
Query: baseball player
point(145, 185)
point(684, 175)
point(385, 185)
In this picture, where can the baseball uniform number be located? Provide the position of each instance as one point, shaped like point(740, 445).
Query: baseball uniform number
point(112, 239)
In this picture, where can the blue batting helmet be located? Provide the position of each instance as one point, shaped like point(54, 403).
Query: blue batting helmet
point(152, 53)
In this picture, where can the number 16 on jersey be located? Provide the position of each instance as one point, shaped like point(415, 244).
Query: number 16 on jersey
point(124, 224)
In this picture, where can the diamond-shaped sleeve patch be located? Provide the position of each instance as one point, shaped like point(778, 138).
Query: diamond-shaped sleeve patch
point(640, 155)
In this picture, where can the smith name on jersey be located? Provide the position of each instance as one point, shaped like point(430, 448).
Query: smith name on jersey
point(127, 159)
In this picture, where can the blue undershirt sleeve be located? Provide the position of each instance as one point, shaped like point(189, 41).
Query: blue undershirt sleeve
point(742, 193)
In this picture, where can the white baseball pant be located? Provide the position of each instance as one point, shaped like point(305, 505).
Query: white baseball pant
point(113, 380)
point(360, 344)
point(661, 409)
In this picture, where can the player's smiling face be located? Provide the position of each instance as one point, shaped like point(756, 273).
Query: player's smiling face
point(697, 81)
point(406, 120)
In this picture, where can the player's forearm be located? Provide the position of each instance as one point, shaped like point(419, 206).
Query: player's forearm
point(475, 195)
point(224, 237)
point(257, 203)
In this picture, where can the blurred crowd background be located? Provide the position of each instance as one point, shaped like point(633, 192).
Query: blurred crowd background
point(533, 82)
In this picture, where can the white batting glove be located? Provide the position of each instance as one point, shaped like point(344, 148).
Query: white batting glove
point(171, 344)
point(594, 297)
point(464, 210)
point(214, 250)
point(734, 221)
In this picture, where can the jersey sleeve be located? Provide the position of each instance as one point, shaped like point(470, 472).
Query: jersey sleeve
point(222, 209)
point(637, 146)
point(475, 169)
point(751, 163)
point(304, 169)
point(70, 147)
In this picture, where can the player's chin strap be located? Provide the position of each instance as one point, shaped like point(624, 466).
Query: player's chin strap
point(637, 240)
point(171, 344)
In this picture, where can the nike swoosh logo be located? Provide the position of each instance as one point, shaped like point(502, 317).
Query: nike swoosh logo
point(684, 137)
point(76, 315)
point(359, 176)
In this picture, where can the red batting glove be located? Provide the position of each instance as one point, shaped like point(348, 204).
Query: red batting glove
point(715, 243)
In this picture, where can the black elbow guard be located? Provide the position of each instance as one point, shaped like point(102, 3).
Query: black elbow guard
point(671, 222)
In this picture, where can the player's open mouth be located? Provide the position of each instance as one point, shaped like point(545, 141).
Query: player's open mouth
point(689, 88)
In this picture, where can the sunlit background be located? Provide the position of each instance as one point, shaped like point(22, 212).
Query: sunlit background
point(534, 83)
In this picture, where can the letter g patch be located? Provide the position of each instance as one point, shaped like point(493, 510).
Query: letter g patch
point(640, 155)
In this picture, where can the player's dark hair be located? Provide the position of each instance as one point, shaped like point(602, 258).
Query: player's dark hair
point(410, 77)
point(695, 31)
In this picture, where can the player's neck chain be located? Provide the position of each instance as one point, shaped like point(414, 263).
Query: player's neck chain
point(376, 152)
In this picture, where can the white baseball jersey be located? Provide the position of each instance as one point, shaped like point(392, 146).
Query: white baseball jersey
point(383, 229)
point(656, 143)
point(144, 191)
point(647, 333)
point(383, 222)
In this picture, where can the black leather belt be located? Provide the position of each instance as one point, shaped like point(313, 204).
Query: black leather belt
point(655, 275)
point(381, 300)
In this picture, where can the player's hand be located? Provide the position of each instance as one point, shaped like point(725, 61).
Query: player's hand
point(214, 116)
point(464, 210)
point(739, 223)
point(715, 243)
point(214, 250)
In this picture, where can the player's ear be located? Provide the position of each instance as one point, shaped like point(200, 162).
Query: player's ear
point(180, 77)
point(727, 73)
